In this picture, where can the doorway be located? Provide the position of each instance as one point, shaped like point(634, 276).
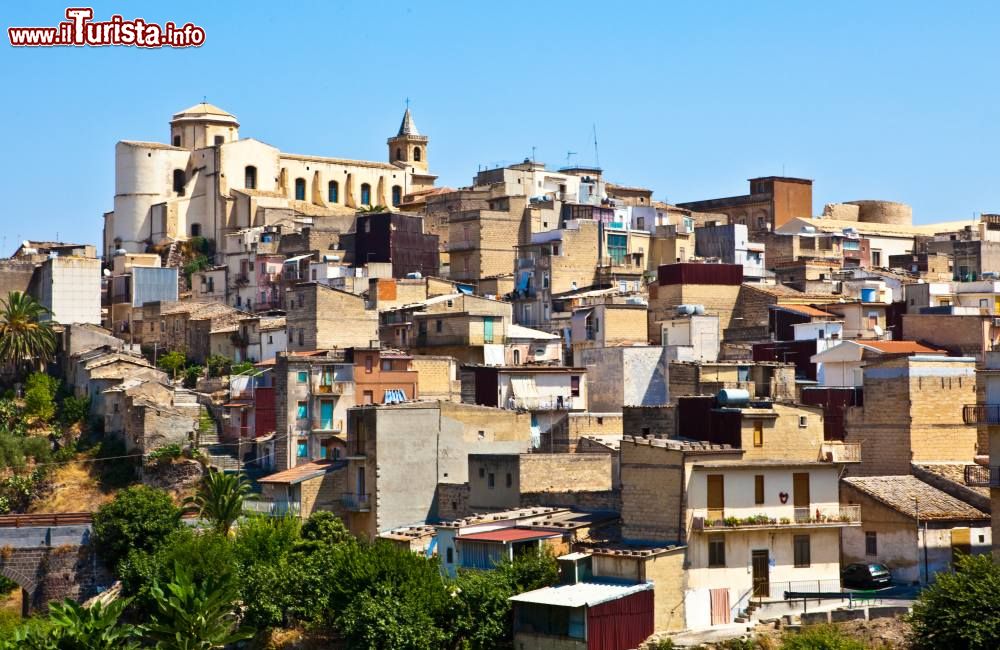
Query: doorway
point(761, 574)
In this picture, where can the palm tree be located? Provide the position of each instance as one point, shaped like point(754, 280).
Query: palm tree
point(219, 499)
point(24, 336)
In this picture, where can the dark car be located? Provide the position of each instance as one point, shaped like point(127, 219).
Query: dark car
point(866, 576)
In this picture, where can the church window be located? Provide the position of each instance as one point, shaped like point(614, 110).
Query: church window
point(399, 153)
point(366, 194)
point(196, 230)
point(179, 181)
point(416, 154)
point(397, 194)
point(300, 189)
point(219, 139)
point(251, 177)
point(333, 191)
point(177, 140)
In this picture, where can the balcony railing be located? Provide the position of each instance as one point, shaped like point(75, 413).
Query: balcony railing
point(330, 388)
point(981, 414)
point(335, 426)
point(542, 403)
point(356, 502)
point(272, 508)
point(718, 521)
point(979, 476)
point(840, 452)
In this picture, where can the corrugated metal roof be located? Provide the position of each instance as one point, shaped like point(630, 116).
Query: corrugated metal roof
point(302, 472)
point(508, 535)
point(582, 594)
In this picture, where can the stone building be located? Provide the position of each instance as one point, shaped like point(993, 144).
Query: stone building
point(606, 325)
point(620, 376)
point(398, 239)
point(69, 288)
point(208, 182)
point(501, 481)
point(773, 201)
point(913, 412)
point(716, 287)
point(321, 318)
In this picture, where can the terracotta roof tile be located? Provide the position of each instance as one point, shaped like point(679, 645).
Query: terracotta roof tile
point(900, 347)
point(905, 494)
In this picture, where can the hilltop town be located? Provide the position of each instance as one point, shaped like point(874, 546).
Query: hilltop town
point(706, 415)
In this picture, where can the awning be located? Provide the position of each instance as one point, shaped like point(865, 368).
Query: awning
point(292, 260)
point(522, 281)
point(523, 387)
point(394, 396)
point(464, 288)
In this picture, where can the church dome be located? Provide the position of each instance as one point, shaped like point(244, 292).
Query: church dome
point(205, 112)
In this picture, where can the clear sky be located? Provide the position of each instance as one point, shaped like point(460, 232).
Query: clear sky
point(893, 101)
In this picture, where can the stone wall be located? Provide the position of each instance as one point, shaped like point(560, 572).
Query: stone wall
point(656, 421)
point(52, 567)
point(652, 489)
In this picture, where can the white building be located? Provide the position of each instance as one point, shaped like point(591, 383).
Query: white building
point(208, 182)
point(70, 288)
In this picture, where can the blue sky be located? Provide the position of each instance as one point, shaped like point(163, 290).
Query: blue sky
point(893, 101)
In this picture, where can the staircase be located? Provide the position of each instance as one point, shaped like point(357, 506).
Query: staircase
point(221, 456)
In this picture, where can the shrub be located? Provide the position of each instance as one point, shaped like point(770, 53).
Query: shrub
point(218, 365)
point(39, 396)
point(960, 609)
point(165, 454)
point(191, 376)
point(241, 367)
point(820, 637)
point(139, 518)
point(74, 410)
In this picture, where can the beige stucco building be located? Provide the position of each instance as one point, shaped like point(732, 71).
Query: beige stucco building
point(209, 182)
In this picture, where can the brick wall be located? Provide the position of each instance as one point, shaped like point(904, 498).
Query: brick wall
point(328, 319)
point(658, 421)
point(717, 299)
point(453, 500)
point(652, 487)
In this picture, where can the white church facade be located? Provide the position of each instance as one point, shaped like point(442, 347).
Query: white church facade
point(208, 182)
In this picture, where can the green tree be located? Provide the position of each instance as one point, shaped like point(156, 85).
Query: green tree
point(195, 615)
point(40, 396)
point(191, 376)
point(325, 528)
point(172, 362)
point(219, 499)
point(241, 367)
point(139, 518)
point(74, 410)
point(25, 336)
point(960, 610)
point(218, 365)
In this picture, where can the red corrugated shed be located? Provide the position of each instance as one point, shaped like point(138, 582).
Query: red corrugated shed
point(692, 273)
point(620, 624)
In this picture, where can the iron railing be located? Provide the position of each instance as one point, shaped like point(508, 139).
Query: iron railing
point(981, 414)
point(356, 502)
point(980, 476)
point(720, 521)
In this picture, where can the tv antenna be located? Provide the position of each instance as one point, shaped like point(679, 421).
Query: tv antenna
point(597, 157)
point(569, 154)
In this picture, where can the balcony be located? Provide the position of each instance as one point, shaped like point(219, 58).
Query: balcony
point(981, 414)
point(330, 388)
point(716, 521)
point(330, 426)
point(356, 502)
point(461, 245)
point(543, 403)
point(840, 452)
point(979, 476)
point(272, 508)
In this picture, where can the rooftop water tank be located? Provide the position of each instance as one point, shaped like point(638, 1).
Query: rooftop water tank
point(733, 397)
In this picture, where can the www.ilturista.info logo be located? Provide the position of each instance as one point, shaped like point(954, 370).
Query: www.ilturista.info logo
point(80, 30)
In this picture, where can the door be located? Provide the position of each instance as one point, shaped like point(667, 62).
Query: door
point(800, 495)
point(487, 330)
point(716, 497)
point(361, 482)
point(326, 415)
point(761, 574)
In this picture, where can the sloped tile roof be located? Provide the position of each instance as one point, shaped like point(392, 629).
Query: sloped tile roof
point(906, 494)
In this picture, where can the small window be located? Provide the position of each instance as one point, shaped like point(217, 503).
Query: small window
point(179, 181)
point(574, 385)
point(645, 432)
point(219, 139)
point(366, 194)
point(303, 376)
point(758, 489)
point(510, 479)
point(450, 555)
point(386, 365)
point(802, 553)
point(803, 421)
point(482, 472)
point(368, 397)
point(491, 481)
point(333, 192)
point(437, 325)
point(196, 230)
point(368, 364)
point(397, 195)
point(758, 433)
point(716, 551)
point(517, 357)
point(871, 543)
point(399, 153)
point(250, 177)
point(303, 410)
point(416, 154)
point(303, 450)
point(300, 189)
point(302, 336)
point(177, 140)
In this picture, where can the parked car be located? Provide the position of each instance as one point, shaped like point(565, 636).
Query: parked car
point(866, 576)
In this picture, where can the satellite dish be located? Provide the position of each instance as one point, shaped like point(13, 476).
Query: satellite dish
point(107, 273)
point(878, 330)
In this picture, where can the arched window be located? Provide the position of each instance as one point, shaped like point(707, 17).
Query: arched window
point(251, 178)
point(416, 154)
point(333, 192)
point(517, 357)
point(179, 181)
point(300, 189)
point(399, 153)
point(177, 140)
point(397, 194)
point(196, 230)
point(366, 194)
